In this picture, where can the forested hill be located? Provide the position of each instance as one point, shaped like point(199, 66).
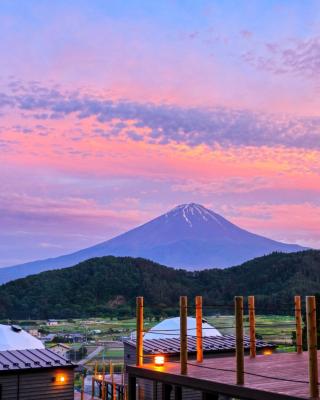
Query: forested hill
point(109, 285)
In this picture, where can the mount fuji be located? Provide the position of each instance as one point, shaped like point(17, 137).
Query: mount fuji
point(190, 236)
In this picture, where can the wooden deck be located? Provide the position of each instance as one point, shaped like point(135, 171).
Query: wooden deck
point(289, 369)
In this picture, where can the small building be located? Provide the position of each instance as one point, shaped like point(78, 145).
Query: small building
point(74, 337)
point(35, 375)
point(34, 332)
point(52, 322)
point(15, 338)
point(49, 338)
point(61, 349)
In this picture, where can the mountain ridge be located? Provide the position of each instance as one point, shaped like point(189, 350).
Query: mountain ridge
point(90, 288)
point(188, 236)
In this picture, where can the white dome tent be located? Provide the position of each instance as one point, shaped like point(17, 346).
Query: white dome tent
point(15, 338)
point(170, 328)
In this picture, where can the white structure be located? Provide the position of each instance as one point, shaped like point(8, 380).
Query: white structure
point(52, 322)
point(14, 338)
point(170, 328)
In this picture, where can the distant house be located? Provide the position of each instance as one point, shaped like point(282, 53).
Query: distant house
point(35, 374)
point(49, 338)
point(61, 349)
point(74, 337)
point(96, 332)
point(52, 322)
point(34, 332)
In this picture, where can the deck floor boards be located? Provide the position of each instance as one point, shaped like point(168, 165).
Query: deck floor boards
point(291, 366)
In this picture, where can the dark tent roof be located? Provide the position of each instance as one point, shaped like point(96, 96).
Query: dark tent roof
point(211, 344)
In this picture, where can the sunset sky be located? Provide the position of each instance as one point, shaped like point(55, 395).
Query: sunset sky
point(113, 112)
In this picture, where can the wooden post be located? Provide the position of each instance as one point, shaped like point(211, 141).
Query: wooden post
point(183, 335)
point(103, 386)
point(139, 349)
point(82, 387)
point(166, 391)
point(297, 311)
point(312, 346)
point(94, 380)
point(252, 324)
point(178, 393)
point(92, 387)
point(199, 328)
point(239, 339)
point(113, 386)
point(132, 382)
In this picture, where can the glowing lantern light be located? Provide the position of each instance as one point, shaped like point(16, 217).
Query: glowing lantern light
point(59, 379)
point(100, 377)
point(267, 352)
point(159, 361)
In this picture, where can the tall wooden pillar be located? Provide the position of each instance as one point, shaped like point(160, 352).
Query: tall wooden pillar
point(199, 329)
point(139, 348)
point(82, 387)
point(239, 340)
point(252, 324)
point(183, 335)
point(297, 312)
point(312, 346)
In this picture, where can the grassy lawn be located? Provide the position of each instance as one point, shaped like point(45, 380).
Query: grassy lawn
point(273, 328)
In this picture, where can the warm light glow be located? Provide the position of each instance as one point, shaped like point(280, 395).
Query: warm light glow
point(100, 376)
point(267, 352)
point(159, 360)
point(61, 379)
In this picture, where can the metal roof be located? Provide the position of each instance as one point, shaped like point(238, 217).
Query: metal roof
point(213, 344)
point(13, 360)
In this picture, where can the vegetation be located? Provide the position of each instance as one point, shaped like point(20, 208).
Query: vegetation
point(107, 286)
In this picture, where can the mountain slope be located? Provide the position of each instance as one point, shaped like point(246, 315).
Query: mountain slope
point(95, 286)
point(189, 236)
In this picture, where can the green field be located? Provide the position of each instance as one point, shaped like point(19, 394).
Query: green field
point(272, 328)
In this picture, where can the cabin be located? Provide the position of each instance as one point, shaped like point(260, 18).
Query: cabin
point(35, 374)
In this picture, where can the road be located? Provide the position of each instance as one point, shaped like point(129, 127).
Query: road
point(91, 355)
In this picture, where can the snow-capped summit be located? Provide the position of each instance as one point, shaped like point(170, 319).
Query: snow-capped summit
point(189, 236)
point(193, 211)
